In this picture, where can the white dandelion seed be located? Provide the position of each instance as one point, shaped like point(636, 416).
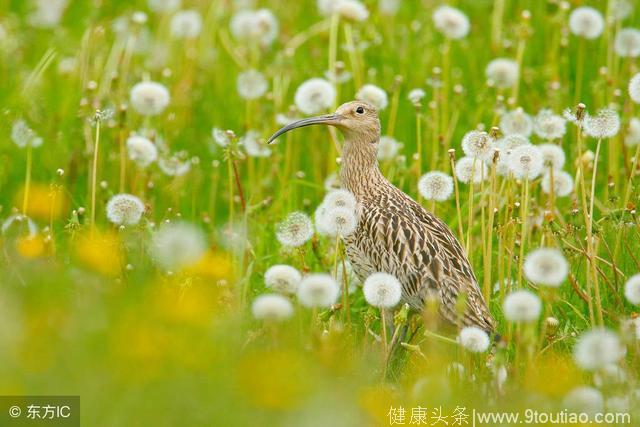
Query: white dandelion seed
point(436, 186)
point(315, 95)
point(125, 209)
point(605, 124)
point(22, 135)
point(174, 165)
point(178, 245)
point(373, 95)
point(546, 266)
point(632, 138)
point(474, 339)
point(255, 26)
point(502, 72)
point(186, 24)
point(340, 199)
point(451, 22)
point(327, 7)
point(621, 9)
point(469, 169)
point(336, 221)
point(562, 183)
point(164, 6)
point(634, 88)
point(221, 137)
point(282, 278)
point(295, 230)
point(526, 162)
point(388, 148)
point(632, 289)
point(416, 95)
point(352, 10)
point(609, 375)
point(553, 155)
point(254, 145)
point(271, 307)
point(382, 290)
point(48, 13)
point(478, 144)
point(549, 126)
point(627, 43)
point(586, 22)
point(516, 122)
point(597, 348)
point(251, 84)
point(149, 98)
point(318, 290)
point(141, 150)
point(506, 145)
point(584, 399)
point(388, 7)
point(522, 306)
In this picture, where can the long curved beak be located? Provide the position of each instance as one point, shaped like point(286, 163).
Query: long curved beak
point(329, 119)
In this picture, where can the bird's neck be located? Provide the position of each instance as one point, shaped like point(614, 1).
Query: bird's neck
point(359, 170)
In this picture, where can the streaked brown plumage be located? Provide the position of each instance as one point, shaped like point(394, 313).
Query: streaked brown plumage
point(395, 234)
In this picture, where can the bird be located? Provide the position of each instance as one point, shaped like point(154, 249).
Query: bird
point(395, 234)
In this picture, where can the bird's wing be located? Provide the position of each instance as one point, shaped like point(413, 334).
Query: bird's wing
point(423, 253)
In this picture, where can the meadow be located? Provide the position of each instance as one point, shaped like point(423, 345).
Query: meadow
point(162, 262)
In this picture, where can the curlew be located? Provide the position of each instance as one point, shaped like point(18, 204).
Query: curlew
point(395, 234)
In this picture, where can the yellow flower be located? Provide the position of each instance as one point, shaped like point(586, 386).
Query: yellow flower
point(44, 202)
point(99, 251)
point(31, 246)
point(213, 266)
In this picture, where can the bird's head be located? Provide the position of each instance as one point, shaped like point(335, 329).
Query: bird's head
point(357, 120)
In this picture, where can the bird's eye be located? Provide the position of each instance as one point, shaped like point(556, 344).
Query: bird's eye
point(360, 110)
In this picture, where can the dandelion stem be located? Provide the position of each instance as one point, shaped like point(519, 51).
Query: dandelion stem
point(524, 205)
point(457, 193)
point(590, 246)
point(27, 179)
point(94, 173)
point(348, 33)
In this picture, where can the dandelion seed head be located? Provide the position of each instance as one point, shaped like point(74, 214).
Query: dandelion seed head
point(177, 245)
point(388, 148)
point(553, 155)
point(562, 183)
point(627, 43)
point(251, 84)
point(124, 209)
point(605, 124)
point(48, 13)
point(584, 399)
point(586, 22)
point(318, 290)
point(257, 26)
point(22, 135)
point(506, 145)
point(549, 126)
point(253, 145)
point(141, 150)
point(388, 7)
point(609, 375)
point(436, 186)
point(340, 199)
point(502, 72)
point(315, 95)
point(522, 306)
point(526, 162)
point(271, 307)
point(416, 95)
point(149, 98)
point(516, 122)
point(221, 137)
point(382, 290)
point(632, 289)
point(621, 9)
point(186, 24)
point(336, 221)
point(478, 144)
point(352, 10)
point(174, 165)
point(373, 95)
point(474, 339)
point(451, 22)
point(469, 169)
point(546, 266)
point(597, 348)
point(632, 137)
point(295, 230)
point(282, 278)
point(634, 88)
